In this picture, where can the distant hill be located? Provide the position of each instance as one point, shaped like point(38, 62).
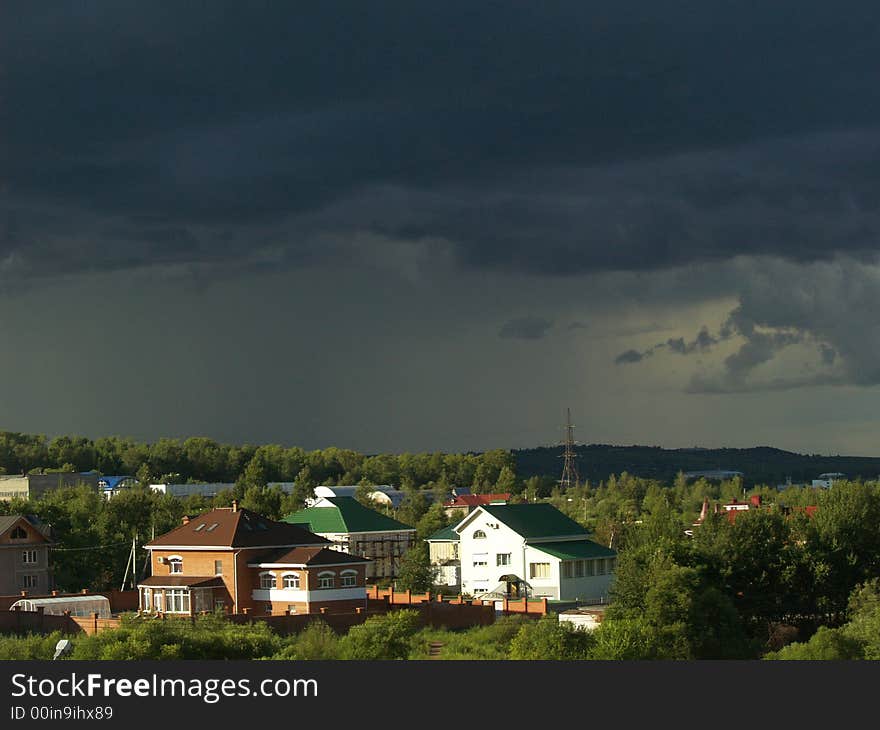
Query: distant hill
point(760, 465)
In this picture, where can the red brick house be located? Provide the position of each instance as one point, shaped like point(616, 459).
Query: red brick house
point(237, 561)
point(24, 556)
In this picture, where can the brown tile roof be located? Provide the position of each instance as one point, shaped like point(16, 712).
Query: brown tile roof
point(308, 556)
point(177, 581)
point(237, 529)
point(8, 521)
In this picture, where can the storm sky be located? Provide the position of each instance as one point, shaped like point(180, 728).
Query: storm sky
point(399, 226)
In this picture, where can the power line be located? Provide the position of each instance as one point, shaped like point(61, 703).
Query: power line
point(93, 547)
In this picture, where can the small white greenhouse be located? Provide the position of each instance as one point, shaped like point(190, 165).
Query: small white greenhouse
point(76, 605)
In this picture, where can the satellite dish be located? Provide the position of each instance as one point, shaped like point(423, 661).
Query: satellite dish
point(62, 648)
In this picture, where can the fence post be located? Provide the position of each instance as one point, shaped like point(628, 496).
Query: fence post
point(506, 605)
point(526, 604)
point(40, 613)
point(95, 621)
point(408, 597)
point(544, 606)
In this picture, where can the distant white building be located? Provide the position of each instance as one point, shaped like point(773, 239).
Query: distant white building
point(210, 489)
point(826, 481)
point(383, 495)
point(187, 490)
point(531, 549)
point(715, 474)
point(443, 552)
point(586, 619)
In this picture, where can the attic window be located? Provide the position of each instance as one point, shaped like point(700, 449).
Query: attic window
point(479, 535)
point(18, 534)
point(213, 526)
point(200, 527)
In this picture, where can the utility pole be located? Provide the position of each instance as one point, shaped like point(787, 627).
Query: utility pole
point(570, 476)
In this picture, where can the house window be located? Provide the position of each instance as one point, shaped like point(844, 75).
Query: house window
point(539, 570)
point(176, 600)
point(146, 594)
point(502, 559)
point(349, 578)
point(579, 569)
point(175, 565)
point(290, 581)
point(291, 608)
point(591, 567)
point(29, 557)
point(325, 580)
point(600, 566)
point(567, 569)
point(612, 564)
point(218, 567)
point(481, 559)
point(479, 535)
point(267, 581)
point(28, 581)
point(19, 534)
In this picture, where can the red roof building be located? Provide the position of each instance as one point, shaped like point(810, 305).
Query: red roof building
point(463, 504)
point(234, 560)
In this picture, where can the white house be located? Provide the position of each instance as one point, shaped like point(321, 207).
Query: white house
point(443, 553)
point(531, 549)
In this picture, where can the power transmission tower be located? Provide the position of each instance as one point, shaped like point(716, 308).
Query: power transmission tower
point(570, 476)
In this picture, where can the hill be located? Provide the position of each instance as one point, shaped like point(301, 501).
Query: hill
point(760, 465)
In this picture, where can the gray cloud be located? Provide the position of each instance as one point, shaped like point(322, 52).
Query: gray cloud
point(525, 328)
point(233, 127)
point(827, 308)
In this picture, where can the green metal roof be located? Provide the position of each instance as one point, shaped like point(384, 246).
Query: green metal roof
point(575, 550)
point(535, 520)
point(346, 515)
point(446, 533)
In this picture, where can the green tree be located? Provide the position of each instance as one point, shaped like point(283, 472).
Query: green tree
point(416, 572)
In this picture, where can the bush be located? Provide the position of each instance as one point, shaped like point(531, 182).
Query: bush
point(382, 637)
point(316, 641)
point(29, 646)
point(548, 638)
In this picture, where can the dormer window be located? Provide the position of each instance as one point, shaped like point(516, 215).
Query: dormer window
point(479, 535)
point(18, 534)
point(175, 565)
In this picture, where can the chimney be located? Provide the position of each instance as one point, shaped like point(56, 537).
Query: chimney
point(704, 512)
point(755, 499)
point(235, 505)
point(186, 519)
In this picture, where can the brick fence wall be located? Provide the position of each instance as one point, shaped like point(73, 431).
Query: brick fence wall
point(531, 606)
point(436, 614)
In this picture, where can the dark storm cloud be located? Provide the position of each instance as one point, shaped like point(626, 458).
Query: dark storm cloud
point(554, 140)
point(631, 356)
point(701, 343)
point(525, 328)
